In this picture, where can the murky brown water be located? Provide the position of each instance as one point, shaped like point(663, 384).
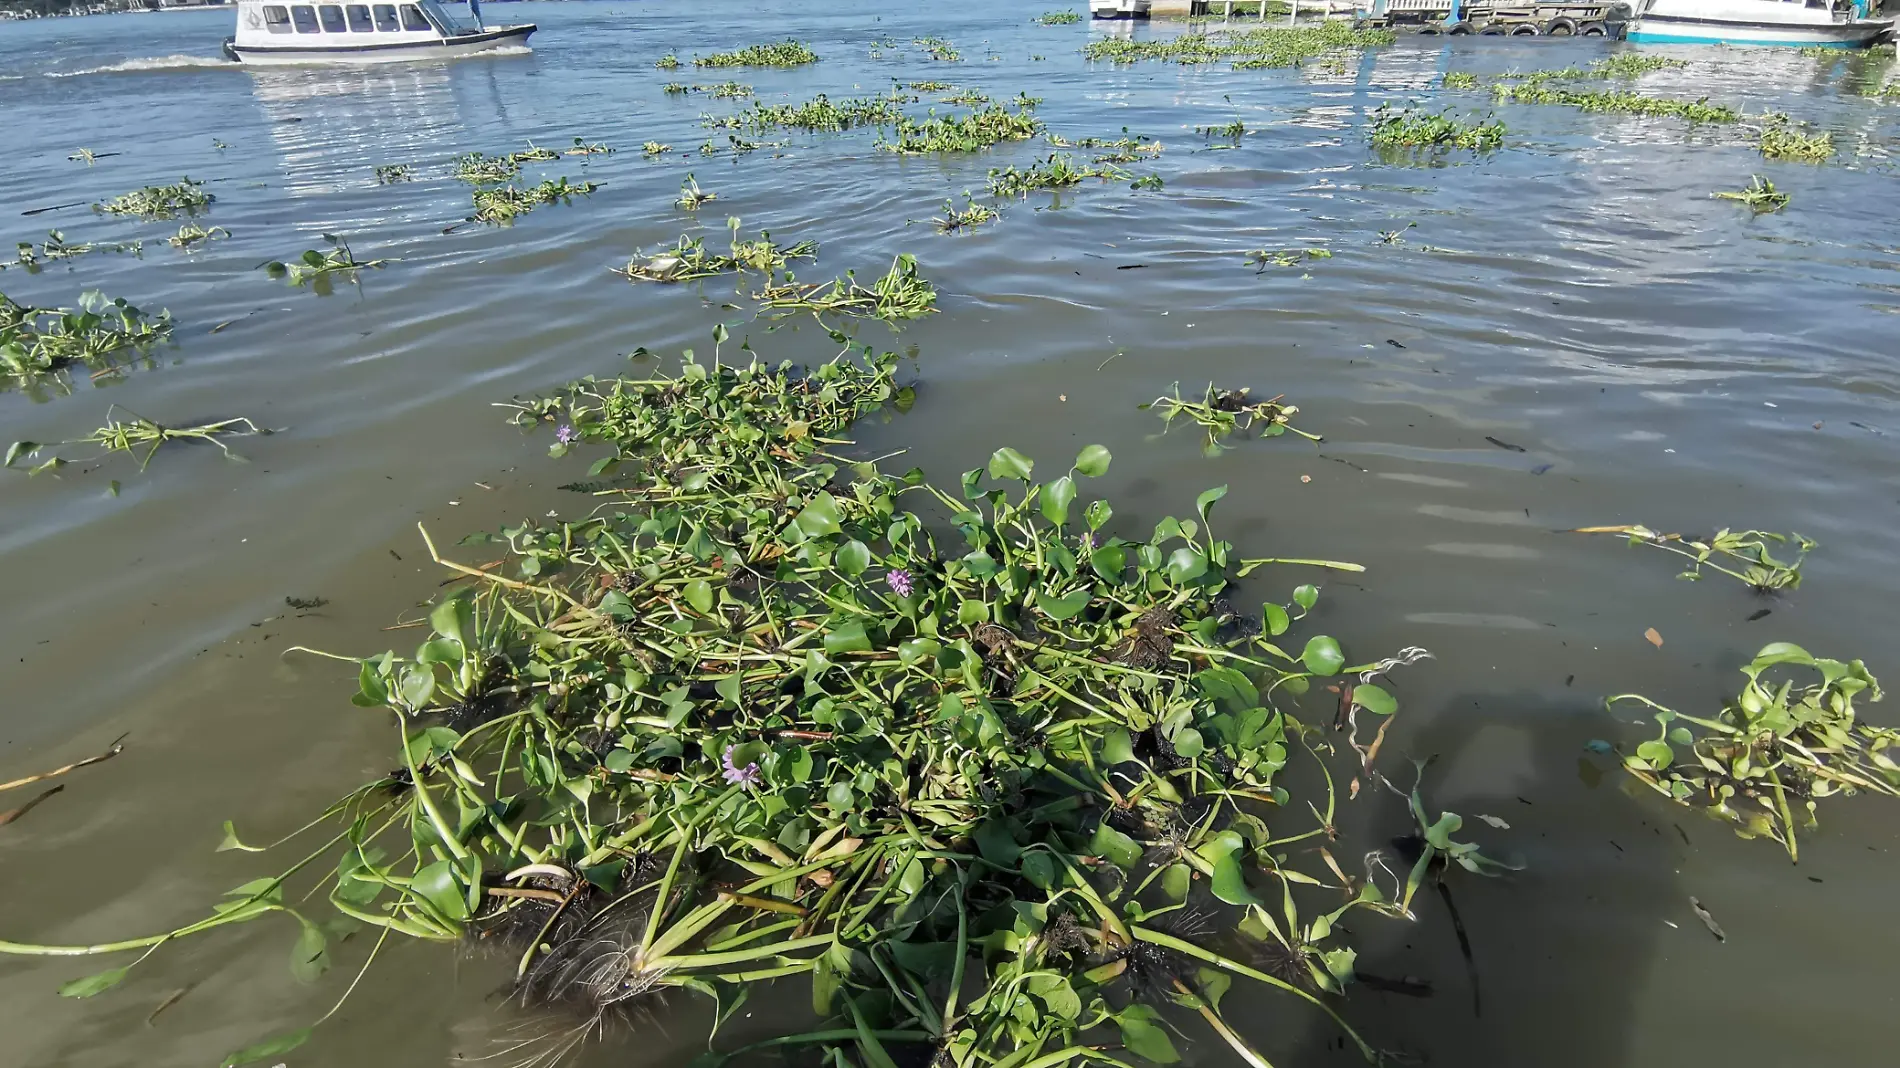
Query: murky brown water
point(1660, 357)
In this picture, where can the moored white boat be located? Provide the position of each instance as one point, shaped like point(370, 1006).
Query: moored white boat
point(278, 33)
point(1801, 23)
point(1119, 9)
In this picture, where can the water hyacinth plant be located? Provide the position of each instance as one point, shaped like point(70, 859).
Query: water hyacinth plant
point(1617, 102)
point(1760, 196)
point(190, 234)
point(56, 248)
point(505, 204)
point(583, 147)
point(1765, 760)
point(1261, 259)
point(1223, 412)
point(692, 196)
point(939, 49)
point(131, 436)
point(1007, 791)
point(819, 114)
point(1747, 551)
point(668, 62)
point(391, 173)
point(101, 333)
point(972, 214)
point(901, 294)
point(1269, 46)
point(787, 53)
point(1056, 172)
point(976, 131)
point(184, 197)
point(317, 263)
point(1782, 139)
point(1459, 79)
point(1406, 129)
point(688, 259)
point(479, 169)
point(1059, 18)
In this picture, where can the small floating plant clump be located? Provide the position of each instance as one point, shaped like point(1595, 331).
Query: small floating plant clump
point(99, 334)
point(478, 168)
point(1769, 756)
point(1056, 172)
point(655, 148)
point(391, 173)
point(930, 87)
point(56, 248)
point(692, 196)
point(668, 62)
point(190, 235)
point(977, 131)
point(583, 147)
point(820, 114)
point(1059, 18)
point(1760, 196)
point(1124, 149)
point(1782, 139)
point(1616, 102)
point(787, 53)
point(752, 720)
point(1225, 412)
point(901, 294)
point(939, 49)
point(1746, 550)
point(688, 259)
point(1273, 46)
point(133, 436)
point(1408, 129)
point(1632, 65)
point(1459, 79)
point(317, 263)
point(1261, 259)
point(1234, 130)
point(969, 98)
point(971, 215)
point(503, 205)
point(185, 197)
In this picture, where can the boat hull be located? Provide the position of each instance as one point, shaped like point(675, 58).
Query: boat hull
point(445, 48)
point(1119, 9)
point(1654, 29)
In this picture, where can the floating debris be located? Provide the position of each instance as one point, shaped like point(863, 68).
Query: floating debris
point(1760, 196)
point(316, 263)
point(1764, 761)
point(391, 173)
point(505, 204)
point(185, 197)
point(692, 196)
point(1261, 259)
point(787, 53)
point(972, 214)
point(84, 155)
point(1749, 549)
point(139, 433)
point(688, 259)
point(190, 234)
point(1407, 129)
point(900, 294)
point(1222, 412)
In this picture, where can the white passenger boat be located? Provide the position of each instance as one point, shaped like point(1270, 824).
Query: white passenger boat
point(359, 33)
point(1119, 9)
point(1803, 23)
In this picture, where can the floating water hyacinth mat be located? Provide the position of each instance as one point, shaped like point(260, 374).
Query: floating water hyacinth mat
point(133, 436)
point(503, 204)
point(786, 53)
point(1223, 412)
point(98, 334)
point(1765, 760)
point(1272, 46)
point(688, 258)
point(185, 197)
point(1002, 790)
point(901, 294)
point(1746, 550)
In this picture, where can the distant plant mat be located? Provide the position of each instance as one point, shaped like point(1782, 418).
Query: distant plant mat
point(1059, 18)
point(505, 204)
point(392, 173)
point(1261, 259)
point(787, 53)
point(184, 197)
point(1768, 757)
point(1616, 102)
point(901, 294)
point(100, 334)
point(819, 114)
point(315, 264)
point(191, 235)
point(976, 131)
point(584, 147)
point(1761, 196)
point(939, 49)
point(1222, 413)
point(137, 436)
point(688, 259)
point(1411, 130)
point(1743, 555)
point(1274, 46)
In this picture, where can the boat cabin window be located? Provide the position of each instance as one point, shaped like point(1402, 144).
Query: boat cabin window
point(305, 18)
point(412, 18)
point(332, 19)
point(359, 18)
point(386, 19)
point(277, 19)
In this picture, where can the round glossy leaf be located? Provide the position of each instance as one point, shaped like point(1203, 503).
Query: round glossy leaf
point(853, 558)
point(699, 594)
point(1322, 656)
point(1008, 463)
point(1375, 699)
point(1275, 619)
point(1657, 753)
point(1093, 461)
point(1306, 596)
point(1056, 498)
point(1185, 565)
point(1097, 513)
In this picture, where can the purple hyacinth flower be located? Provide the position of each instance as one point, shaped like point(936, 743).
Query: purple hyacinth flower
point(900, 581)
point(747, 776)
point(566, 435)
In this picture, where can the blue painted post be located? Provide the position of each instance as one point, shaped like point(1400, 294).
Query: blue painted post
point(1454, 14)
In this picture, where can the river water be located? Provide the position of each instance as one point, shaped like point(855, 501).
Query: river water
point(1570, 332)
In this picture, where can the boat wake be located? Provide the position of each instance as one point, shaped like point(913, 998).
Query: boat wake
point(148, 63)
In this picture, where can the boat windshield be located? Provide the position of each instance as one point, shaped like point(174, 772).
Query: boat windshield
point(447, 23)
